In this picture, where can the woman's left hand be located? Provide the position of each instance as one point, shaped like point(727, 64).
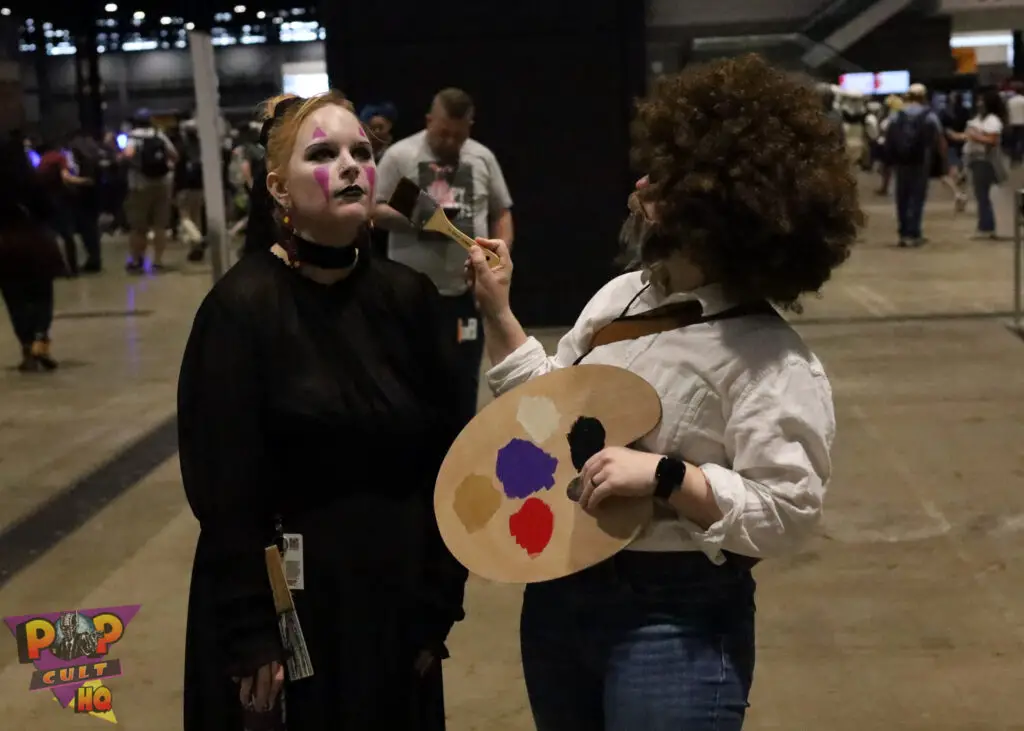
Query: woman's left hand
point(424, 661)
point(617, 471)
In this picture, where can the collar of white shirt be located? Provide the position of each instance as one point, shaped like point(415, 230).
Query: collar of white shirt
point(711, 297)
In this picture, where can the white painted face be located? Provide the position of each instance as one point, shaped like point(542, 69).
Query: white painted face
point(328, 185)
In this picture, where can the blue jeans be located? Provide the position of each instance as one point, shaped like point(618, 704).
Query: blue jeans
point(642, 642)
point(983, 177)
point(911, 194)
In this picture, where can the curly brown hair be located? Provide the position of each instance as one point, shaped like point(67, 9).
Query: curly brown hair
point(750, 180)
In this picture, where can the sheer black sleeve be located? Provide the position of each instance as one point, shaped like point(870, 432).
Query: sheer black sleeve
point(220, 435)
point(445, 578)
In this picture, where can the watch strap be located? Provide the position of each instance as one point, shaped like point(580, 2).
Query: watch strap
point(668, 477)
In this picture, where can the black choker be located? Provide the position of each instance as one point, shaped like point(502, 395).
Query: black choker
point(324, 257)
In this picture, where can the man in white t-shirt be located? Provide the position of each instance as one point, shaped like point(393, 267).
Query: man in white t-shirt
point(1015, 117)
point(465, 178)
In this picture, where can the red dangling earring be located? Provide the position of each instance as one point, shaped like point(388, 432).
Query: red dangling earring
point(288, 242)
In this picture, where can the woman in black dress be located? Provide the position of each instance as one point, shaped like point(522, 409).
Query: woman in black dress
point(313, 400)
point(29, 257)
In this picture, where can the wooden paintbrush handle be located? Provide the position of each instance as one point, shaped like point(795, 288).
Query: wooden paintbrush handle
point(469, 243)
point(278, 583)
point(441, 224)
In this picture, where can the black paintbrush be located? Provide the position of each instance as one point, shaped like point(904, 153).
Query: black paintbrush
point(426, 213)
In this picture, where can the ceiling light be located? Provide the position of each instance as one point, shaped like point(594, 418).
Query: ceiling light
point(111, 7)
point(165, 20)
point(5, 11)
point(261, 14)
point(190, 26)
point(139, 15)
point(239, 8)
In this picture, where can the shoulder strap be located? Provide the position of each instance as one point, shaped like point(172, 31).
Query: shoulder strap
point(668, 317)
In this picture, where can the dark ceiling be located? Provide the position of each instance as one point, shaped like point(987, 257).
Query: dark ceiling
point(188, 9)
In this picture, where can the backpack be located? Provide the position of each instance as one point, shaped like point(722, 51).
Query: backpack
point(908, 139)
point(190, 171)
point(153, 158)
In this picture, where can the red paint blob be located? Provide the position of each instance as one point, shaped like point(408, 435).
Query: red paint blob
point(532, 526)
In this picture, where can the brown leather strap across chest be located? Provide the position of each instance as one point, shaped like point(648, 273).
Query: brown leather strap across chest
point(668, 317)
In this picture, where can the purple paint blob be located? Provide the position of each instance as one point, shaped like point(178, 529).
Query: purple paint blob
point(323, 176)
point(318, 133)
point(523, 469)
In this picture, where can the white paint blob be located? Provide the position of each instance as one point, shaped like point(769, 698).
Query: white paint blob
point(539, 416)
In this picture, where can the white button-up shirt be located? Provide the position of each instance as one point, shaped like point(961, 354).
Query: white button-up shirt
point(744, 398)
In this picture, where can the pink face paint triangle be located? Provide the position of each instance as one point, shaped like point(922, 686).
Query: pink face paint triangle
point(371, 178)
point(318, 133)
point(322, 175)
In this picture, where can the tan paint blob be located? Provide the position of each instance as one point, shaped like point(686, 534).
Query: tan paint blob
point(476, 501)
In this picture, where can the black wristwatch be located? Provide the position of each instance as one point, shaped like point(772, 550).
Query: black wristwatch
point(668, 477)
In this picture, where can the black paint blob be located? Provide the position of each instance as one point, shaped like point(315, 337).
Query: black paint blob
point(586, 438)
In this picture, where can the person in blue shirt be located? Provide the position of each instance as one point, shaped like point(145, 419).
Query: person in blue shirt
point(912, 139)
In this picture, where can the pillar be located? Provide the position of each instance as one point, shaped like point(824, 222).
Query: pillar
point(44, 91)
point(88, 83)
point(684, 54)
point(12, 105)
point(1018, 55)
point(204, 75)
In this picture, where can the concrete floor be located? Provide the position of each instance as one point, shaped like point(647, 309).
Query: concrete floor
point(904, 613)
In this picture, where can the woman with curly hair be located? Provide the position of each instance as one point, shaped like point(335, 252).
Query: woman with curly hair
point(748, 202)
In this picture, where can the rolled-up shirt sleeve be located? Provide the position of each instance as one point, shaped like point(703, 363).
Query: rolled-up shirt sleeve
point(527, 361)
point(530, 360)
point(778, 437)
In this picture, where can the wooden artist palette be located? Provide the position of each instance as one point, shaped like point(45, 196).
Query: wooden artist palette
point(502, 497)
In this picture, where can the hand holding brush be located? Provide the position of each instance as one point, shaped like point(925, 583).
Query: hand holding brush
point(427, 214)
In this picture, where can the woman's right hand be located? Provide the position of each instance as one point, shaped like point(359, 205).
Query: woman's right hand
point(260, 691)
point(490, 286)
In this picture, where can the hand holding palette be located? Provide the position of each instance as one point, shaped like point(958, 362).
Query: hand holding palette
point(505, 498)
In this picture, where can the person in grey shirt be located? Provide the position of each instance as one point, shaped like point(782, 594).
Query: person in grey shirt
point(465, 178)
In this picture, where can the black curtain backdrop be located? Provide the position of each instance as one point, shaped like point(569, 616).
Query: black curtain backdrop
point(554, 83)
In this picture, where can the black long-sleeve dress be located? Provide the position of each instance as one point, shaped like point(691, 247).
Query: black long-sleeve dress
point(329, 407)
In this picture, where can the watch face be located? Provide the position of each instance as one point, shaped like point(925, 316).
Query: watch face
point(669, 477)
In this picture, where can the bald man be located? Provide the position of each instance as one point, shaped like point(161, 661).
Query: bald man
point(465, 178)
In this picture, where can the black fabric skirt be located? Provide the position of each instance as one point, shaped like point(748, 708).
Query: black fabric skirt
point(363, 664)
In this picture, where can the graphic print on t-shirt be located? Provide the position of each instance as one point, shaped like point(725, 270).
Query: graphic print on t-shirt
point(452, 187)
